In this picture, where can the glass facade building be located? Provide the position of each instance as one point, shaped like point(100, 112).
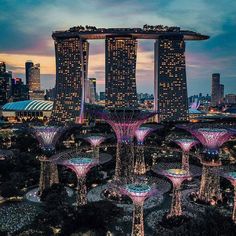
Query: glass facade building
point(170, 85)
point(120, 54)
point(71, 73)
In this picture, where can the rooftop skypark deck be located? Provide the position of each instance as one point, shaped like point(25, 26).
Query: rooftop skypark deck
point(147, 32)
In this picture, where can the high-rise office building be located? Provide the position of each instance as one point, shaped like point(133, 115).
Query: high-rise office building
point(215, 89)
point(34, 77)
point(28, 65)
point(19, 91)
point(230, 98)
point(222, 88)
point(120, 53)
point(91, 93)
point(102, 96)
point(5, 84)
point(71, 73)
point(35, 92)
point(2, 67)
point(170, 87)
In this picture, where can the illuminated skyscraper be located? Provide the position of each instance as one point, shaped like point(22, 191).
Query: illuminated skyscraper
point(216, 89)
point(71, 73)
point(28, 65)
point(34, 77)
point(91, 94)
point(120, 71)
point(170, 79)
point(5, 84)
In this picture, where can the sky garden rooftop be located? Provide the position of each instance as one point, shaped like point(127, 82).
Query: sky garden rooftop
point(147, 32)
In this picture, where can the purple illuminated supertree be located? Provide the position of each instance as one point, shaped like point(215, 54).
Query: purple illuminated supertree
point(80, 163)
point(138, 193)
point(47, 137)
point(176, 176)
point(186, 144)
point(81, 166)
point(231, 176)
point(141, 133)
point(95, 140)
point(125, 122)
point(212, 139)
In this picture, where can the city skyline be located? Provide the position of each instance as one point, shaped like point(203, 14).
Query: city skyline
point(202, 58)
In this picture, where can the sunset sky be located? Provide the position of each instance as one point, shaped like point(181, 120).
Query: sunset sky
point(26, 28)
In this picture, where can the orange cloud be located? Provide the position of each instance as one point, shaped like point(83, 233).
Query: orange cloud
point(17, 61)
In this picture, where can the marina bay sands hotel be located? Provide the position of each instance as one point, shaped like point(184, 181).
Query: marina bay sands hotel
point(170, 88)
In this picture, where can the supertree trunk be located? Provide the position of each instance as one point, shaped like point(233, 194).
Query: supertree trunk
point(176, 209)
point(140, 165)
point(210, 184)
point(96, 153)
point(138, 225)
point(185, 161)
point(234, 208)
point(124, 162)
point(81, 191)
point(48, 175)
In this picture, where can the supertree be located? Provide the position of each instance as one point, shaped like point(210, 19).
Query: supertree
point(81, 166)
point(80, 163)
point(176, 176)
point(212, 139)
point(231, 176)
point(95, 140)
point(138, 193)
point(186, 144)
point(47, 137)
point(141, 133)
point(125, 122)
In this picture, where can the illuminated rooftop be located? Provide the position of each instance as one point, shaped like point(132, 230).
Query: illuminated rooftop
point(28, 105)
point(147, 32)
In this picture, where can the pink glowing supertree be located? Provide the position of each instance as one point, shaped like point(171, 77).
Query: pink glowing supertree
point(141, 133)
point(186, 144)
point(231, 176)
point(47, 137)
point(125, 122)
point(212, 139)
point(80, 163)
point(95, 140)
point(176, 176)
point(138, 193)
point(81, 166)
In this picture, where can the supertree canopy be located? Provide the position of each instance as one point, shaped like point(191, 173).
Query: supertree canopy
point(141, 133)
point(95, 140)
point(231, 176)
point(138, 193)
point(177, 176)
point(80, 165)
point(212, 138)
point(47, 137)
point(125, 122)
point(186, 144)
